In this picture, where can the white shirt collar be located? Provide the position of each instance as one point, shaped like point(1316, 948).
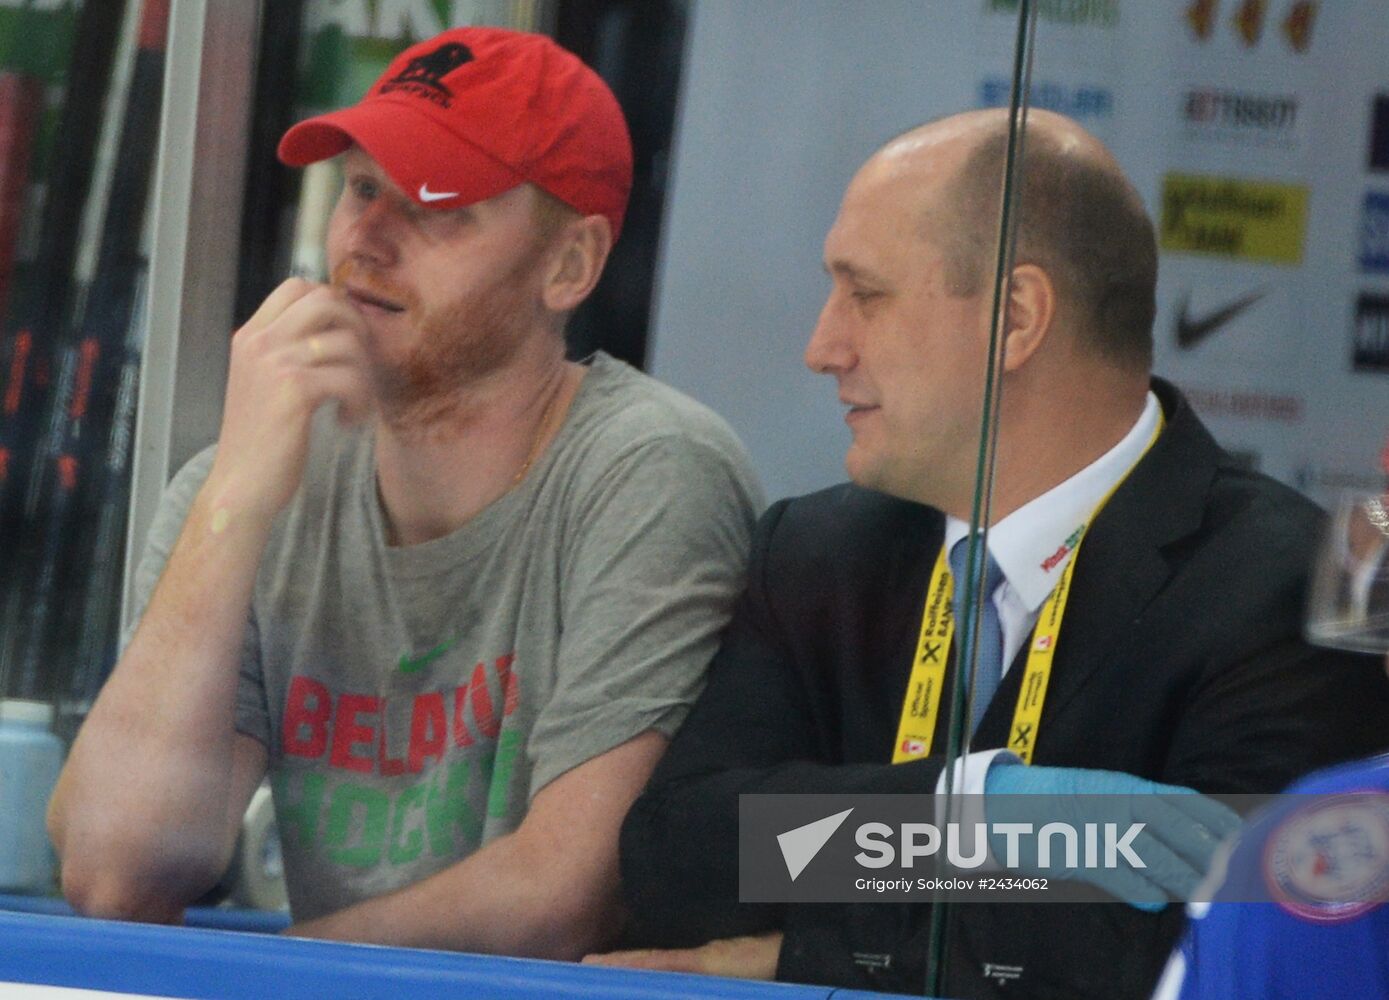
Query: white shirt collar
point(1034, 544)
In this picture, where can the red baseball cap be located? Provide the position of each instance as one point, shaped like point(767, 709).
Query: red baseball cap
point(474, 112)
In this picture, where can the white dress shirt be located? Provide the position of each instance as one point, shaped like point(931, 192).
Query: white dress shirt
point(1029, 545)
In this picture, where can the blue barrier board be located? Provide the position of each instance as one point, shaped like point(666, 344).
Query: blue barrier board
point(185, 962)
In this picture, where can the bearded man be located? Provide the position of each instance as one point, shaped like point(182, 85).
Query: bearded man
point(457, 624)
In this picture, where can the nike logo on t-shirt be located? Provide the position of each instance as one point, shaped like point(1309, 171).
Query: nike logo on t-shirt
point(410, 664)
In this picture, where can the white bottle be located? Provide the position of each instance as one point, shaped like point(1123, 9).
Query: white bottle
point(30, 758)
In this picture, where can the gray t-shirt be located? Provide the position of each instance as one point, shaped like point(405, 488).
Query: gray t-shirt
point(414, 699)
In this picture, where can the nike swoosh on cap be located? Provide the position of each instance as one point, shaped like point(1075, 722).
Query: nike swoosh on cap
point(1192, 330)
point(428, 195)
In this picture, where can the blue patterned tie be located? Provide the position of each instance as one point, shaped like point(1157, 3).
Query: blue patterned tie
point(989, 664)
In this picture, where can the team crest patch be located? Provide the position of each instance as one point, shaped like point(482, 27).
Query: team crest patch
point(1329, 860)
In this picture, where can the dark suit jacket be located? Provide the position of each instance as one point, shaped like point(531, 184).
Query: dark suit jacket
point(1180, 661)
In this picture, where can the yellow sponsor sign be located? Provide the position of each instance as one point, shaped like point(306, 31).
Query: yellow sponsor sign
point(1252, 220)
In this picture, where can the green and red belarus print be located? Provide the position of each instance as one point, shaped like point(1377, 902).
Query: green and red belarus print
point(342, 787)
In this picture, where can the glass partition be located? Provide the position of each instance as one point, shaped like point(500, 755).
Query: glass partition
point(998, 191)
point(1254, 135)
point(81, 87)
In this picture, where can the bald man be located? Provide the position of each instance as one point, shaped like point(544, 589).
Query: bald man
point(1178, 660)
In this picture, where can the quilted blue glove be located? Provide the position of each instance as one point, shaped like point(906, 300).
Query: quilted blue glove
point(1181, 828)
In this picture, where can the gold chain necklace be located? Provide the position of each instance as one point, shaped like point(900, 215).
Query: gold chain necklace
point(539, 435)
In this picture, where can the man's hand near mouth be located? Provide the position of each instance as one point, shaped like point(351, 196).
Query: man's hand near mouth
point(302, 348)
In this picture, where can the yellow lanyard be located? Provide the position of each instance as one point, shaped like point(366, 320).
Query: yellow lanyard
point(921, 706)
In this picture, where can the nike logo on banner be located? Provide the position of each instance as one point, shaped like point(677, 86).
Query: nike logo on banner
point(427, 195)
point(1191, 330)
point(410, 664)
point(799, 846)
